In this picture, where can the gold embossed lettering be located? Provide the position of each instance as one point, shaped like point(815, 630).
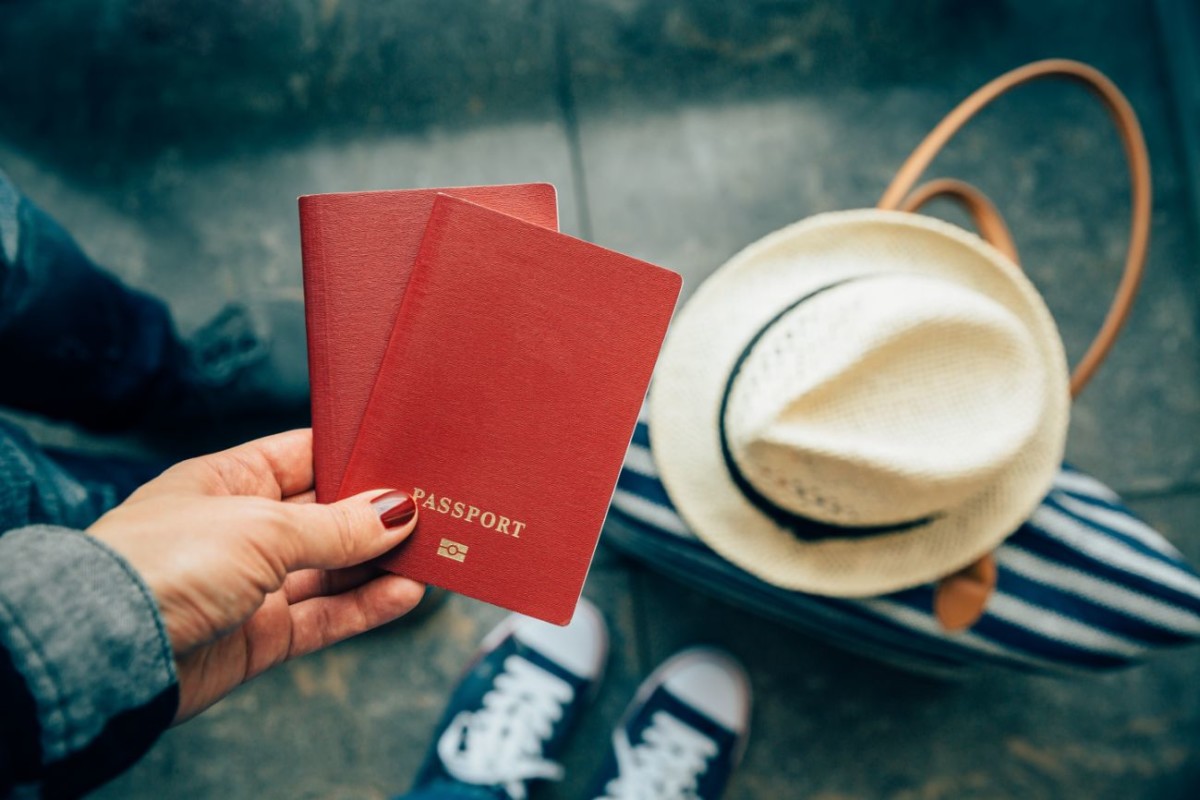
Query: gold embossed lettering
point(459, 509)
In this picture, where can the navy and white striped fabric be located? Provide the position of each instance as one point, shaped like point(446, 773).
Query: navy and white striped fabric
point(1083, 585)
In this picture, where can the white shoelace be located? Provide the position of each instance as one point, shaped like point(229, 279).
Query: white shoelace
point(666, 765)
point(501, 744)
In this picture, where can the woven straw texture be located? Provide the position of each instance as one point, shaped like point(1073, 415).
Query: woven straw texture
point(926, 379)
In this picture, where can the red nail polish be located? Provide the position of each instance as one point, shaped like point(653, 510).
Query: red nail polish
point(395, 508)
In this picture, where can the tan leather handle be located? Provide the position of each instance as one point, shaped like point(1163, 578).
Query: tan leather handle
point(961, 598)
point(1139, 177)
point(983, 213)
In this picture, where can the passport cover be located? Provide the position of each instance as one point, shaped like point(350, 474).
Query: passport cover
point(358, 249)
point(506, 399)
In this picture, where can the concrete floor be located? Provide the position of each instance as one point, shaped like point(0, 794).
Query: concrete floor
point(173, 136)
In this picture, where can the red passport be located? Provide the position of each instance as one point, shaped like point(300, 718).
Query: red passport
point(358, 249)
point(506, 399)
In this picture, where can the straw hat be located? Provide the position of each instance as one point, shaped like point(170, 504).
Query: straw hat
point(859, 403)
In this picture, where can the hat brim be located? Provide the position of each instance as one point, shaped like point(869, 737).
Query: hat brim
point(736, 301)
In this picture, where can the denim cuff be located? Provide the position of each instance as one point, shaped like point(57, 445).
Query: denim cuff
point(87, 658)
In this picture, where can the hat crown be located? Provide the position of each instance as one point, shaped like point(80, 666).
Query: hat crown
point(884, 400)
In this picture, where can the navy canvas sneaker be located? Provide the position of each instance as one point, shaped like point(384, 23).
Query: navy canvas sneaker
point(87, 348)
point(508, 720)
point(683, 734)
point(250, 359)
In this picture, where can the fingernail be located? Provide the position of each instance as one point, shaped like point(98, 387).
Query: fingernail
point(395, 508)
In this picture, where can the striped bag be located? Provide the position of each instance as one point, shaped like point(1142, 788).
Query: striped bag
point(1083, 585)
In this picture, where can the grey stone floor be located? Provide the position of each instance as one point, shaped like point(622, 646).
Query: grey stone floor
point(173, 136)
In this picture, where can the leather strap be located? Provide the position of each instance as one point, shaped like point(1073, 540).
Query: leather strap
point(1139, 178)
point(960, 598)
point(983, 213)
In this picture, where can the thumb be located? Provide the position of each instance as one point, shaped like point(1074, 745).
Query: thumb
point(349, 531)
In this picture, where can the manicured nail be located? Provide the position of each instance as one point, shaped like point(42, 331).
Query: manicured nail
point(395, 508)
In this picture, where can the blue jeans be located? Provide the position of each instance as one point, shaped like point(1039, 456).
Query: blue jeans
point(76, 345)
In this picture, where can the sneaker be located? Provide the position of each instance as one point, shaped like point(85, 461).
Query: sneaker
point(249, 359)
point(242, 375)
point(508, 720)
point(93, 351)
point(683, 734)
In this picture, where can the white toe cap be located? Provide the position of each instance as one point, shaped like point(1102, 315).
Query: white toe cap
point(581, 647)
point(711, 682)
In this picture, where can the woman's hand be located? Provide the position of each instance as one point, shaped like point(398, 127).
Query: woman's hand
point(246, 581)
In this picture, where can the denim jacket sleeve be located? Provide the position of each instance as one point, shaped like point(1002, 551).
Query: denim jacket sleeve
point(87, 675)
